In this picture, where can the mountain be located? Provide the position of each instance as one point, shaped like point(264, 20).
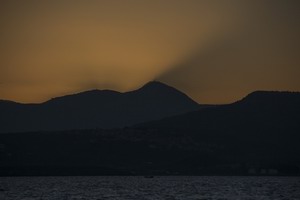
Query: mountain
point(96, 109)
point(262, 116)
point(260, 109)
point(258, 135)
point(262, 129)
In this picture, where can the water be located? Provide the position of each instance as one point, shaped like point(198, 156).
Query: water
point(166, 188)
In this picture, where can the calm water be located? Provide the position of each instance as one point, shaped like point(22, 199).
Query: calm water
point(140, 188)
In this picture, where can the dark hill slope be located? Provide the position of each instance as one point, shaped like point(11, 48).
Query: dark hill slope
point(258, 110)
point(96, 109)
point(262, 128)
point(258, 135)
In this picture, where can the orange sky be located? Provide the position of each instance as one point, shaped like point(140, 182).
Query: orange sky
point(215, 51)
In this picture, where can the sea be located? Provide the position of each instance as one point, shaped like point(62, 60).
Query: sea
point(138, 187)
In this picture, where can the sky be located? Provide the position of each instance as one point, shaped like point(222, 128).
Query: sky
point(215, 51)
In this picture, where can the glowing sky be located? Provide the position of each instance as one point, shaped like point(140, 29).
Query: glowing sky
point(216, 51)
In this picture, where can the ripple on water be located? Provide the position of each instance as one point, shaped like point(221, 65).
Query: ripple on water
point(177, 188)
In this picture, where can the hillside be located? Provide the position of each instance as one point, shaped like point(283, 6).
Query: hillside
point(96, 109)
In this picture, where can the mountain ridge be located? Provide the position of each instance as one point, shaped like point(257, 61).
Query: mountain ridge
point(258, 135)
point(256, 106)
point(97, 109)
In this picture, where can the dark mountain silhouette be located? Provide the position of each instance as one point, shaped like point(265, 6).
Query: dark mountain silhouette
point(258, 135)
point(96, 109)
point(261, 130)
point(260, 109)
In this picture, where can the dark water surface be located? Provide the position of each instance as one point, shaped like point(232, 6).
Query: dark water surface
point(194, 187)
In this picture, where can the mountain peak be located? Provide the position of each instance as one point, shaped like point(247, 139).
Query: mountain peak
point(270, 94)
point(99, 109)
point(155, 85)
point(86, 96)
